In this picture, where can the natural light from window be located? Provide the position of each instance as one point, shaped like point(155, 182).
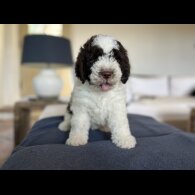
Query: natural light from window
point(49, 29)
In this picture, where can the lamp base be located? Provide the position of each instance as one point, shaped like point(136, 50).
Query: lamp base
point(47, 84)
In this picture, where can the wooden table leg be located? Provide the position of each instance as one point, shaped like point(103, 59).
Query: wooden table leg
point(21, 123)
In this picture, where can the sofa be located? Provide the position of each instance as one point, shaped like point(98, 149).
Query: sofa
point(159, 147)
point(168, 99)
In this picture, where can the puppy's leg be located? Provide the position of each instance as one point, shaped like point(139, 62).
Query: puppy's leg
point(120, 130)
point(80, 124)
point(65, 125)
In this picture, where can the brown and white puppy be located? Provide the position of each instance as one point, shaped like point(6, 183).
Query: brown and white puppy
point(98, 98)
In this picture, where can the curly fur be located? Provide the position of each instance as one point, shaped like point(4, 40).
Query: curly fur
point(121, 56)
point(87, 56)
point(98, 102)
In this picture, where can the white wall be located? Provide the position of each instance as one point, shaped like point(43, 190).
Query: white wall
point(9, 64)
point(1, 57)
point(152, 48)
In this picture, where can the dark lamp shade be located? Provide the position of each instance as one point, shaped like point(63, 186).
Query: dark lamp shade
point(46, 49)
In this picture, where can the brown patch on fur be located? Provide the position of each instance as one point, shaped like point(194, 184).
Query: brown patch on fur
point(68, 109)
point(122, 58)
point(87, 56)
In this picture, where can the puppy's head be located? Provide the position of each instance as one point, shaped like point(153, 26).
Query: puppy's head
point(103, 62)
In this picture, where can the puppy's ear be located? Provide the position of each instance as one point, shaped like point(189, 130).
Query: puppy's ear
point(122, 58)
point(87, 56)
point(79, 66)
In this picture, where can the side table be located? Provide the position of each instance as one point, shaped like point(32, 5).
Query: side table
point(192, 121)
point(26, 113)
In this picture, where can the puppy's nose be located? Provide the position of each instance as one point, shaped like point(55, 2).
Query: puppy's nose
point(106, 74)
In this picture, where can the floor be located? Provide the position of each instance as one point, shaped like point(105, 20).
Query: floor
point(6, 133)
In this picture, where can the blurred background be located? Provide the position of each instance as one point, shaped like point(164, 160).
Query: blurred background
point(155, 50)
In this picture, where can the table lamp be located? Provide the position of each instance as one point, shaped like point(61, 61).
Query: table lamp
point(48, 52)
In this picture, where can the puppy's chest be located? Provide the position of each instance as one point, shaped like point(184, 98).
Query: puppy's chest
point(99, 111)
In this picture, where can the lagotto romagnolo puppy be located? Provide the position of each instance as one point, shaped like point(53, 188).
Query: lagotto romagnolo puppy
point(98, 100)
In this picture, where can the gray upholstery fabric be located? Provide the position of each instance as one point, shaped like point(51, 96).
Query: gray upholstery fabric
point(159, 146)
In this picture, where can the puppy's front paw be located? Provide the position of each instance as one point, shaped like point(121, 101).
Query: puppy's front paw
point(125, 142)
point(64, 126)
point(76, 140)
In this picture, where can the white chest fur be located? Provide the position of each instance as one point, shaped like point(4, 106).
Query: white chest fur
point(99, 105)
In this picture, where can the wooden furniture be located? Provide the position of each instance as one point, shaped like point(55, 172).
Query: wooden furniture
point(26, 113)
point(192, 121)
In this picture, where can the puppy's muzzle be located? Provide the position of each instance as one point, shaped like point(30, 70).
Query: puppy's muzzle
point(106, 74)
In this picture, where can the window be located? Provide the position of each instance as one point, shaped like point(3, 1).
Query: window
point(49, 29)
